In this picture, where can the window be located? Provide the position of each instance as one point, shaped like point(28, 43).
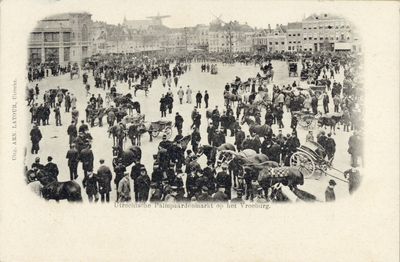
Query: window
point(66, 38)
point(36, 37)
point(283, 43)
point(35, 55)
point(270, 43)
point(276, 43)
point(51, 37)
point(290, 35)
point(290, 42)
point(298, 34)
point(51, 54)
point(321, 38)
point(310, 38)
point(305, 38)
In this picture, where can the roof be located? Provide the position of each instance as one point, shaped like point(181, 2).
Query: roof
point(322, 16)
point(295, 25)
point(47, 24)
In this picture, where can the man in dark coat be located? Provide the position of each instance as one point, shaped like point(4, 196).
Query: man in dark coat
point(36, 136)
point(142, 184)
point(72, 132)
point(321, 139)
point(135, 173)
point(274, 153)
point(354, 177)
point(204, 196)
point(179, 122)
point(104, 177)
point(73, 160)
point(195, 139)
point(199, 96)
point(215, 117)
point(218, 139)
point(163, 106)
point(224, 179)
point(206, 98)
point(293, 143)
point(119, 170)
point(224, 122)
point(87, 158)
point(239, 137)
point(90, 182)
point(238, 198)
point(325, 102)
point(314, 104)
point(330, 147)
point(51, 168)
point(329, 192)
point(220, 196)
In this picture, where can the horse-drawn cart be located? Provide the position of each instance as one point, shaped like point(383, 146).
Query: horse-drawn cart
point(306, 119)
point(161, 126)
point(310, 157)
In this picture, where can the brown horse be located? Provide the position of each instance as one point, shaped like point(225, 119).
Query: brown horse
point(261, 130)
point(52, 189)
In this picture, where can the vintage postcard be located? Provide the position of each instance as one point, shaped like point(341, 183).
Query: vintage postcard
point(199, 131)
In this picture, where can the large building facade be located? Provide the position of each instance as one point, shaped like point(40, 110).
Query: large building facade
point(61, 39)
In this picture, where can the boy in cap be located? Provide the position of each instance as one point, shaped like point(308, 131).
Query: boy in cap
point(238, 199)
point(124, 189)
point(329, 192)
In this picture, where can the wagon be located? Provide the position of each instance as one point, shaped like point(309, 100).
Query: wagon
point(137, 119)
point(318, 90)
point(308, 158)
point(306, 119)
point(161, 126)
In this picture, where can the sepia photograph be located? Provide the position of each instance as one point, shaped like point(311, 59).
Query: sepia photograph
point(240, 120)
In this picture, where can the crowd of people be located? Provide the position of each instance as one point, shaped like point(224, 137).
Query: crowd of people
point(176, 174)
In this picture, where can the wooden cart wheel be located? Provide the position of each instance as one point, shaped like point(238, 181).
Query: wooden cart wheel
point(309, 121)
point(168, 132)
point(302, 122)
point(304, 163)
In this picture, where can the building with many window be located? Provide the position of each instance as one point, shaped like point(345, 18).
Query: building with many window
point(61, 39)
point(326, 32)
point(276, 39)
point(294, 35)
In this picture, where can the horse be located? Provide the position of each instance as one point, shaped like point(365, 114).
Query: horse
point(261, 130)
point(232, 98)
point(249, 110)
point(132, 154)
point(126, 101)
point(52, 189)
point(118, 133)
point(288, 176)
point(236, 161)
point(134, 134)
point(212, 153)
point(329, 120)
point(145, 88)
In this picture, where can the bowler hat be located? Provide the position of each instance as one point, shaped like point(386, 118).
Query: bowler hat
point(332, 182)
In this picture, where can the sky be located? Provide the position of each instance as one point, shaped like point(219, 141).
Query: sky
point(186, 13)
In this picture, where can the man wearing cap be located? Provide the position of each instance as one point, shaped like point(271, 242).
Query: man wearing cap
point(72, 132)
point(37, 164)
point(201, 181)
point(124, 189)
point(142, 185)
point(238, 198)
point(330, 147)
point(83, 127)
point(215, 117)
point(36, 136)
point(75, 115)
point(206, 98)
point(104, 177)
point(191, 183)
point(321, 139)
point(119, 170)
point(223, 179)
point(135, 173)
point(329, 192)
point(204, 196)
point(87, 158)
point(73, 160)
point(195, 139)
point(90, 182)
point(171, 197)
point(220, 196)
point(179, 122)
point(354, 177)
point(199, 96)
point(218, 139)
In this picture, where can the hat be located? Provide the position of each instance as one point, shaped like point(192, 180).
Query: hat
point(332, 182)
point(37, 159)
point(239, 193)
point(204, 188)
point(142, 168)
point(174, 188)
point(154, 184)
point(101, 160)
point(49, 158)
point(164, 136)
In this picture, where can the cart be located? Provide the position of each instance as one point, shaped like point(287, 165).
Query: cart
point(310, 157)
point(161, 126)
point(306, 119)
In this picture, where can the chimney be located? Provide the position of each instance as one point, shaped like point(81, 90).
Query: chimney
point(269, 27)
